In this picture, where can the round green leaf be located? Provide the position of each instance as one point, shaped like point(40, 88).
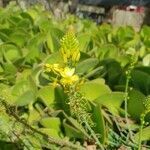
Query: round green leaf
point(92, 90)
point(112, 101)
point(25, 99)
point(51, 122)
point(47, 94)
point(135, 104)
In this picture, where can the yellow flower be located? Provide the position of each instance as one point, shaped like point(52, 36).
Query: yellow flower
point(69, 80)
point(56, 68)
point(67, 72)
point(68, 76)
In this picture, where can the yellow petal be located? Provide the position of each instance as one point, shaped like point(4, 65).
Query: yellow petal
point(68, 72)
point(75, 78)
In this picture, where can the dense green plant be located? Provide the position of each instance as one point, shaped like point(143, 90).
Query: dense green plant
point(71, 89)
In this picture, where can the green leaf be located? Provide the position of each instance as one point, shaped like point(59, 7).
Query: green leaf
point(92, 90)
point(47, 94)
point(11, 52)
point(33, 13)
point(23, 76)
point(25, 99)
point(19, 38)
point(145, 31)
point(145, 135)
point(145, 69)
point(6, 93)
point(125, 34)
point(141, 81)
point(35, 46)
point(135, 104)
point(24, 91)
point(146, 60)
point(74, 126)
point(55, 58)
point(113, 70)
point(22, 86)
point(25, 24)
point(112, 101)
point(34, 116)
point(9, 69)
point(86, 65)
point(99, 126)
point(53, 37)
point(4, 34)
point(61, 100)
point(51, 122)
point(26, 16)
point(9, 72)
point(72, 132)
point(50, 132)
point(84, 39)
point(50, 43)
point(108, 51)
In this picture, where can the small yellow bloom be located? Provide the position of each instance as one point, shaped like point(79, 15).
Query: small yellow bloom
point(69, 80)
point(75, 78)
point(68, 72)
point(56, 68)
point(68, 76)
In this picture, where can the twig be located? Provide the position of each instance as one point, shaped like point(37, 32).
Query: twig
point(50, 139)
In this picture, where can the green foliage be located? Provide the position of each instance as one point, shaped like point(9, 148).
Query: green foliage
point(112, 101)
point(97, 87)
point(99, 127)
point(145, 134)
point(136, 100)
point(81, 99)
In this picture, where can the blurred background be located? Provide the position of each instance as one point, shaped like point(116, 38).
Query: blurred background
point(116, 12)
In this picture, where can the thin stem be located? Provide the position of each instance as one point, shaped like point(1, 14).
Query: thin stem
point(50, 139)
point(140, 132)
point(123, 141)
point(128, 73)
point(78, 106)
point(126, 105)
point(93, 134)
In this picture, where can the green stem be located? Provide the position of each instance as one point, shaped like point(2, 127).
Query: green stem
point(140, 132)
point(126, 105)
point(78, 106)
point(51, 140)
point(123, 141)
point(93, 134)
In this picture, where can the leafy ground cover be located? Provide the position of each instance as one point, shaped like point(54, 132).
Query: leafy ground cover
point(72, 84)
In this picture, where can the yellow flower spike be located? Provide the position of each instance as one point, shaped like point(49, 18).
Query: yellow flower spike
point(76, 56)
point(64, 56)
point(70, 48)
